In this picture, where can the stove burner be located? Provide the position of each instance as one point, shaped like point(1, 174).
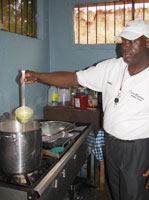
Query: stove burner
point(32, 185)
point(30, 179)
point(24, 179)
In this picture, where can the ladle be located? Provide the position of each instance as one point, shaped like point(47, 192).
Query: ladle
point(23, 113)
point(23, 88)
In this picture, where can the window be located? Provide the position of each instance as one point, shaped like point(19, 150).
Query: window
point(18, 16)
point(99, 23)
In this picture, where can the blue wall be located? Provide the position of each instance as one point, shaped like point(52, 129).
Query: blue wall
point(20, 52)
point(52, 51)
point(63, 54)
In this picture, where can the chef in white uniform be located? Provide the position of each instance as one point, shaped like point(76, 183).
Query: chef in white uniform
point(124, 83)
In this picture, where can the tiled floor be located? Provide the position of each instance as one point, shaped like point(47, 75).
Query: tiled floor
point(83, 191)
point(90, 193)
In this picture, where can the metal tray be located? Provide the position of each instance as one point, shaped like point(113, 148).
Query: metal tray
point(50, 128)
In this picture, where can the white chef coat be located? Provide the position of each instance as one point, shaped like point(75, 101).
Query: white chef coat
point(129, 119)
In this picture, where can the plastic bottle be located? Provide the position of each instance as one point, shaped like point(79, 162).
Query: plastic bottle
point(73, 92)
point(64, 96)
point(53, 96)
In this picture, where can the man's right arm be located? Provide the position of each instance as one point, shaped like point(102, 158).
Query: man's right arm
point(60, 79)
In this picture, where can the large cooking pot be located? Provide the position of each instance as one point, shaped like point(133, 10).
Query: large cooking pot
point(20, 147)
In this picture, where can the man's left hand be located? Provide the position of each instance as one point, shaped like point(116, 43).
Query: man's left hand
point(145, 175)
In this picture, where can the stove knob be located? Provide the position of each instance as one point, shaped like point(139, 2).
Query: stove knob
point(55, 183)
point(63, 173)
point(75, 156)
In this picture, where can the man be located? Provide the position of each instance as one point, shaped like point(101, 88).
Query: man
point(124, 84)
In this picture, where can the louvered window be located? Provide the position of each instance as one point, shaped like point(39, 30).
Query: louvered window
point(18, 16)
point(99, 23)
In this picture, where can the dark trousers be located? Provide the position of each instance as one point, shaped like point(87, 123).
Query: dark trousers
point(125, 163)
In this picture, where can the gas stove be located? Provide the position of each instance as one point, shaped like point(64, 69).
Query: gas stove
point(56, 173)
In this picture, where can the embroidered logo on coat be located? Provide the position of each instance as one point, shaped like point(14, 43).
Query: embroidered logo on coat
point(136, 96)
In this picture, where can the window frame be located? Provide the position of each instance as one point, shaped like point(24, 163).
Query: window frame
point(133, 2)
point(16, 18)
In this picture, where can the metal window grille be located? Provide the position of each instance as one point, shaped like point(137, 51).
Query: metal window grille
point(19, 16)
point(99, 23)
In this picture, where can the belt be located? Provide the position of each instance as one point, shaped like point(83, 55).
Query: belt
point(111, 137)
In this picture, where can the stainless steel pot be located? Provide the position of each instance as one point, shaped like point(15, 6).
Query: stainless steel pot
point(20, 147)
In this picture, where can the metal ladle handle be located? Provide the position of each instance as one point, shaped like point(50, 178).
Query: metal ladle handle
point(23, 88)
